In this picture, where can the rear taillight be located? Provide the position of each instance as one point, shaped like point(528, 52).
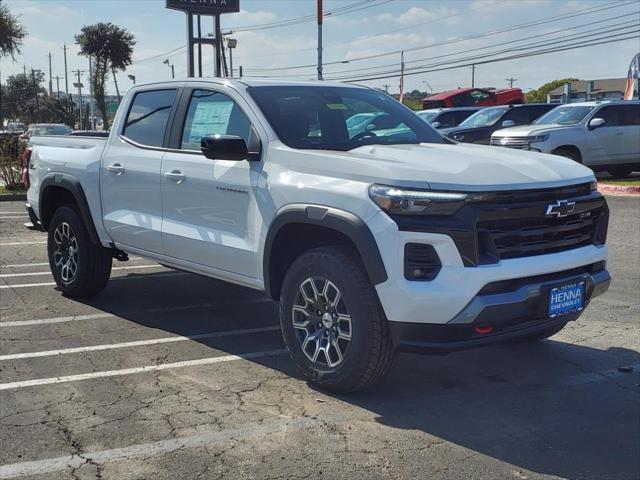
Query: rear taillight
point(26, 158)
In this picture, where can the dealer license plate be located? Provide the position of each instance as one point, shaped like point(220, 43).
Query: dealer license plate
point(566, 299)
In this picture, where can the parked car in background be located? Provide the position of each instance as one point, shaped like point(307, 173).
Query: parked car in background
point(15, 127)
point(474, 97)
point(447, 117)
point(479, 126)
point(601, 135)
point(45, 130)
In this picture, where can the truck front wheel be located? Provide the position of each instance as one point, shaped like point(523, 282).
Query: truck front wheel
point(79, 267)
point(332, 323)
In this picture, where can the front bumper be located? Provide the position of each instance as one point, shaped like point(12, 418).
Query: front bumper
point(504, 310)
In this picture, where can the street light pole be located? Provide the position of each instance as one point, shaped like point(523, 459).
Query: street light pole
point(231, 43)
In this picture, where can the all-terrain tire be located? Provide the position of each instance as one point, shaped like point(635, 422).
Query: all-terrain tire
point(89, 270)
point(370, 350)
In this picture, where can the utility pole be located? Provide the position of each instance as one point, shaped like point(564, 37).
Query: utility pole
point(401, 96)
point(58, 87)
point(319, 14)
point(79, 85)
point(386, 87)
point(511, 80)
point(473, 76)
point(24, 70)
point(35, 92)
point(240, 71)
point(50, 78)
point(199, 24)
point(90, 94)
point(66, 73)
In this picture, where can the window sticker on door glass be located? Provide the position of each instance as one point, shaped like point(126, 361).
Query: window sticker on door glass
point(210, 118)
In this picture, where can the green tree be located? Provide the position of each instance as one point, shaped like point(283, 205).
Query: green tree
point(26, 99)
point(11, 33)
point(111, 48)
point(540, 95)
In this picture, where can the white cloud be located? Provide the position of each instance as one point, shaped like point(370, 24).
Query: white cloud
point(245, 18)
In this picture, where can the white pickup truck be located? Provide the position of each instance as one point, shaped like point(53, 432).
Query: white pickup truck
point(372, 241)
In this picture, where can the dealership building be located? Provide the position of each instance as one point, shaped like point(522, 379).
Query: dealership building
point(585, 90)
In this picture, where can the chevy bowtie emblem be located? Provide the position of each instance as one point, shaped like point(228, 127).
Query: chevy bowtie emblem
point(561, 208)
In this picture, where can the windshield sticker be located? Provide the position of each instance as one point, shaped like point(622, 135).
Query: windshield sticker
point(336, 106)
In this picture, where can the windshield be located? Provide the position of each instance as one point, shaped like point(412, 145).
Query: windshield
point(427, 116)
point(484, 117)
point(566, 115)
point(339, 118)
point(50, 130)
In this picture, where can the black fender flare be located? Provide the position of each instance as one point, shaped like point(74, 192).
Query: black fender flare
point(339, 220)
point(71, 184)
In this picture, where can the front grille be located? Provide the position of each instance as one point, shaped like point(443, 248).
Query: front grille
point(524, 237)
point(513, 224)
point(511, 142)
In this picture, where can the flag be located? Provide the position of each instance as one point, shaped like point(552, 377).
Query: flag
point(632, 76)
point(401, 97)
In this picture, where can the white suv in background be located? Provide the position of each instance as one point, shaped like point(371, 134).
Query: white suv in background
point(601, 135)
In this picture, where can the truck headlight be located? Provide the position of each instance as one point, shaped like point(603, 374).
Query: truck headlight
point(538, 138)
point(405, 201)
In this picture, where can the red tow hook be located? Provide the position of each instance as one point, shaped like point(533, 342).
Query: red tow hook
point(484, 329)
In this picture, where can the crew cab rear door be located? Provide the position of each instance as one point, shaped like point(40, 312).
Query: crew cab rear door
point(130, 173)
point(210, 212)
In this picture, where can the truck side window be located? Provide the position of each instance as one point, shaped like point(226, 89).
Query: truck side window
point(148, 116)
point(212, 113)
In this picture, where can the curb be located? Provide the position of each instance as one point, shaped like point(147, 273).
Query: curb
point(630, 190)
point(13, 197)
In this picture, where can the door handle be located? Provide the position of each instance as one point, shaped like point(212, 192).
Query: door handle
point(175, 176)
point(116, 168)
point(619, 133)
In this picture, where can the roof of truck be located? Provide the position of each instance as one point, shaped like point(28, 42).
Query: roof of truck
point(254, 82)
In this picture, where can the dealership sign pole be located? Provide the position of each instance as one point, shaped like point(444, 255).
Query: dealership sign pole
point(212, 8)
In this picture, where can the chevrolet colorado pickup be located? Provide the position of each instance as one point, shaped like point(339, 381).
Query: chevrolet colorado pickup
point(372, 241)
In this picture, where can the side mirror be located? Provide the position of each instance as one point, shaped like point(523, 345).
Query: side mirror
point(228, 147)
point(508, 123)
point(595, 123)
point(436, 124)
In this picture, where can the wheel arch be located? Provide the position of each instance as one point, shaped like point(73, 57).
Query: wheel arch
point(314, 226)
point(60, 189)
point(571, 148)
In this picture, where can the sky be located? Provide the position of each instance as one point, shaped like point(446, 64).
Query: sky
point(431, 32)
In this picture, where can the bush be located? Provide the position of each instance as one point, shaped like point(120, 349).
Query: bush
point(11, 149)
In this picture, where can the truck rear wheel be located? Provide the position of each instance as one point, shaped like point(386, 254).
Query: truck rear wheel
point(332, 323)
point(79, 267)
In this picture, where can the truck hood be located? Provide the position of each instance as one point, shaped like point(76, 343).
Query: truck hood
point(529, 130)
point(440, 166)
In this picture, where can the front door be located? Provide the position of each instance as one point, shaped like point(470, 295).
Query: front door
point(210, 210)
point(606, 142)
point(130, 173)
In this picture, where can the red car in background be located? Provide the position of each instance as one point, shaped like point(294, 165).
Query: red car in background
point(474, 97)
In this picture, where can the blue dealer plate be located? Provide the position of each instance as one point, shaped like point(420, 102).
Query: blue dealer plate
point(566, 299)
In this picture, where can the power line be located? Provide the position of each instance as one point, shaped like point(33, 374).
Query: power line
point(529, 24)
point(574, 46)
point(559, 39)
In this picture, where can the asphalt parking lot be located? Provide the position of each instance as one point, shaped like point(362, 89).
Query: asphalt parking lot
point(167, 375)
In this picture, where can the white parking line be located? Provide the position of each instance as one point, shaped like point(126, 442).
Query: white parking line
point(13, 216)
point(96, 316)
point(138, 343)
point(42, 264)
point(29, 274)
point(48, 284)
point(10, 213)
point(57, 464)
point(8, 244)
point(146, 368)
